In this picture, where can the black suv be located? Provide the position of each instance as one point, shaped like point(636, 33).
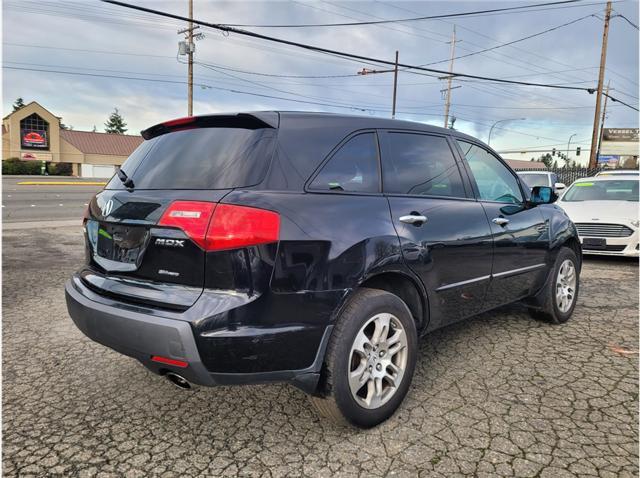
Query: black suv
point(313, 249)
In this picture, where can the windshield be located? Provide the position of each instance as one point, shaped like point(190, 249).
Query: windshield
point(533, 180)
point(614, 190)
point(200, 158)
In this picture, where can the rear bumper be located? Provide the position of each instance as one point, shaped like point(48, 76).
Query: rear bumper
point(139, 333)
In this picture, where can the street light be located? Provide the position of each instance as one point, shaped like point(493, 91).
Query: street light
point(568, 144)
point(501, 121)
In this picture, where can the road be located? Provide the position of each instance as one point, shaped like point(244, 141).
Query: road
point(498, 395)
point(44, 203)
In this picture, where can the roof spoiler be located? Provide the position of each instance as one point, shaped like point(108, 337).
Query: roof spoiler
point(259, 120)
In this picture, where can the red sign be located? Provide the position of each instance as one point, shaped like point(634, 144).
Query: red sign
point(33, 138)
point(28, 157)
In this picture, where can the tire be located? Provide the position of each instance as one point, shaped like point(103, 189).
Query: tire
point(354, 350)
point(554, 309)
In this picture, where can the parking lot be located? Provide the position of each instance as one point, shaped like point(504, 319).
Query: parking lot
point(498, 395)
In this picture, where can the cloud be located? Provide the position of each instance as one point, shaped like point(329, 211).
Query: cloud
point(568, 55)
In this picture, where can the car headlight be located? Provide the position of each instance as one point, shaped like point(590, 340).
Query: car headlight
point(635, 223)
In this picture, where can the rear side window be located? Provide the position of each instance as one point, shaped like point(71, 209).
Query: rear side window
point(420, 164)
point(353, 168)
point(200, 158)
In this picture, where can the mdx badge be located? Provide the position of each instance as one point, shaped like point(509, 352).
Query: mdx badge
point(170, 242)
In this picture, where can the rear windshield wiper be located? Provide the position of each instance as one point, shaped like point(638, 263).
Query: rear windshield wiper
point(126, 180)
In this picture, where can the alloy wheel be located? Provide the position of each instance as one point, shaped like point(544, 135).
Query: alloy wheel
point(566, 286)
point(377, 361)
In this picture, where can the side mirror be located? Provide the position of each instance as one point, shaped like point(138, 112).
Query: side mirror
point(542, 195)
point(559, 186)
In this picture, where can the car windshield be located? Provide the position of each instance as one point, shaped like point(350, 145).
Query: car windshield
point(533, 180)
point(613, 190)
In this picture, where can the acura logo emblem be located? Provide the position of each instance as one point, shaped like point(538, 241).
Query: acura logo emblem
point(107, 208)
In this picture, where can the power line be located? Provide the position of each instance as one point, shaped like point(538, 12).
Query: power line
point(513, 41)
point(404, 20)
point(343, 54)
point(628, 21)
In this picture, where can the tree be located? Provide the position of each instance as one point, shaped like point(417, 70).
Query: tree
point(555, 164)
point(94, 128)
point(546, 159)
point(115, 124)
point(18, 104)
point(64, 126)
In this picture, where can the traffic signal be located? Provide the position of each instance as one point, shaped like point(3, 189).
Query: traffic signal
point(578, 151)
point(553, 152)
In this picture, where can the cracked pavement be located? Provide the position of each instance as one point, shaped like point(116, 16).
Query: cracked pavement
point(497, 395)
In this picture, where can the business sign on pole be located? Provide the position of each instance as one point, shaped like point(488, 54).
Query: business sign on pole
point(620, 134)
point(609, 160)
point(34, 138)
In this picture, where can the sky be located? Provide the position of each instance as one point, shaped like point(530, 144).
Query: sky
point(235, 73)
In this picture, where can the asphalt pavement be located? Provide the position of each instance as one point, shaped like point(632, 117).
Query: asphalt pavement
point(498, 395)
point(30, 203)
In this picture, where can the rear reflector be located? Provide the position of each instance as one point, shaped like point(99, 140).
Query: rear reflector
point(168, 361)
point(216, 227)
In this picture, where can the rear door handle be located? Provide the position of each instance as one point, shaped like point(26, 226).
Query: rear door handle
point(413, 219)
point(500, 221)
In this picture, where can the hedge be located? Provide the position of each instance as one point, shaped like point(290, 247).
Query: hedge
point(16, 166)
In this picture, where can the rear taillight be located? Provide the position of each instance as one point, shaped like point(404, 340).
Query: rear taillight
point(190, 216)
point(223, 226)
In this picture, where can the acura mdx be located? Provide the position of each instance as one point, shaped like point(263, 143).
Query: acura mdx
point(313, 249)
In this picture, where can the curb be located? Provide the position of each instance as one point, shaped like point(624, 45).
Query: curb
point(61, 183)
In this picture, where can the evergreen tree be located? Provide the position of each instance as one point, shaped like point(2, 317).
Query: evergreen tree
point(94, 128)
point(18, 104)
point(546, 159)
point(115, 124)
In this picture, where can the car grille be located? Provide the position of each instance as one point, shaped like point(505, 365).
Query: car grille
point(616, 248)
point(603, 230)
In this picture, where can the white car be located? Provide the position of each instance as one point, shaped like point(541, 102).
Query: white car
point(605, 211)
point(542, 178)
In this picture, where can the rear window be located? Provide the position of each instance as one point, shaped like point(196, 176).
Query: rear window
point(533, 180)
point(200, 158)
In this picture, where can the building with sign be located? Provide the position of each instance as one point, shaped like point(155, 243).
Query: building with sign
point(33, 133)
point(619, 148)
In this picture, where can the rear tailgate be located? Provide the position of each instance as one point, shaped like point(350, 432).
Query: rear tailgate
point(131, 256)
point(145, 233)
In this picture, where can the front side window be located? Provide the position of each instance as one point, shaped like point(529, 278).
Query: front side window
point(420, 164)
point(494, 180)
point(353, 168)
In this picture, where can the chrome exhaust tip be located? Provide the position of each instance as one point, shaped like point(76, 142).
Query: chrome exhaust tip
point(178, 380)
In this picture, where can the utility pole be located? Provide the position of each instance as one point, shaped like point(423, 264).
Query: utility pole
point(448, 103)
point(593, 159)
point(604, 112)
point(395, 87)
point(187, 47)
point(367, 71)
point(190, 43)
